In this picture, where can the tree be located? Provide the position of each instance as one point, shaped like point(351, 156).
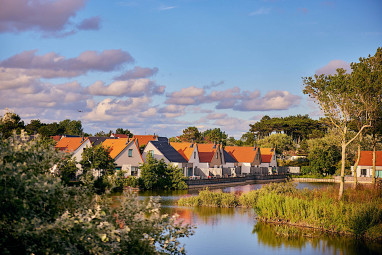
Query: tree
point(214, 136)
point(248, 138)
point(190, 134)
point(71, 127)
point(67, 169)
point(367, 76)
point(282, 142)
point(124, 132)
point(156, 174)
point(41, 215)
point(10, 122)
point(97, 167)
point(337, 98)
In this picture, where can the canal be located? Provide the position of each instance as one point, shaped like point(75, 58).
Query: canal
point(236, 230)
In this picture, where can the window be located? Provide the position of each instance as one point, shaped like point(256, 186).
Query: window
point(195, 154)
point(151, 153)
point(130, 152)
point(134, 171)
point(363, 172)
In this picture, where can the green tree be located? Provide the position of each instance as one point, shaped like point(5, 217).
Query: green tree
point(191, 134)
point(67, 169)
point(10, 122)
point(97, 167)
point(156, 174)
point(282, 142)
point(214, 136)
point(71, 127)
point(124, 132)
point(337, 98)
point(324, 160)
point(41, 215)
point(33, 126)
point(248, 138)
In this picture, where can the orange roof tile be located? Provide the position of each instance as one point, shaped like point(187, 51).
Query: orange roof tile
point(206, 152)
point(367, 158)
point(266, 154)
point(184, 149)
point(120, 135)
point(56, 137)
point(241, 154)
point(70, 144)
point(116, 146)
point(144, 139)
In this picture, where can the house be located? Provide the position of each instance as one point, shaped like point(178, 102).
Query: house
point(126, 155)
point(89, 142)
point(211, 160)
point(190, 152)
point(70, 144)
point(142, 140)
point(365, 165)
point(268, 157)
point(163, 150)
point(119, 135)
point(247, 157)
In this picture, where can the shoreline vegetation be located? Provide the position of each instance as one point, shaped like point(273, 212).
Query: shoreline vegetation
point(359, 213)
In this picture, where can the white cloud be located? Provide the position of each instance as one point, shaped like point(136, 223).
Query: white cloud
point(332, 66)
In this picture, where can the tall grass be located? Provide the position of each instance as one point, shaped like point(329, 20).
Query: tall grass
point(359, 212)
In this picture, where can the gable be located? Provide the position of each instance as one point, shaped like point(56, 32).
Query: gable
point(366, 158)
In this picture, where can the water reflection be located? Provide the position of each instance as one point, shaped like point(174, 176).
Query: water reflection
point(236, 231)
point(311, 240)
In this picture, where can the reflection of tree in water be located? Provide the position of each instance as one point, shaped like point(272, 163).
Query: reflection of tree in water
point(277, 235)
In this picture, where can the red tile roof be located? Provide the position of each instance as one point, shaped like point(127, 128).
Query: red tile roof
point(70, 144)
point(120, 135)
point(144, 139)
point(266, 154)
point(184, 149)
point(367, 158)
point(206, 152)
point(56, 137)
point(241, 154)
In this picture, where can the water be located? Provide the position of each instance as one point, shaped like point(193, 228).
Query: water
point(236, 230)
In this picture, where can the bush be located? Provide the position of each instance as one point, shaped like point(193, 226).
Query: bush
point(41, 215)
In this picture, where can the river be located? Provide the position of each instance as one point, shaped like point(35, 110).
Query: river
point(236, 230)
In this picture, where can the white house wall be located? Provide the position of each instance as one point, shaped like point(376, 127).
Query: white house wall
point(157, 154)
point(125, 162)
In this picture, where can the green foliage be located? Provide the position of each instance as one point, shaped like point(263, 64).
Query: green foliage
point(191, 134)
point(124, 132)
point(41, 215)
point(282, 142)
point(214, 136)
point(324, 161)
point(156, 174)
point(67, 169)
point(298, 127)
point(97, 161)
point(71, 127)
point(10, 122)
point(211, 199)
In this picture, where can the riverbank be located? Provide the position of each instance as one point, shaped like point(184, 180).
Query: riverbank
point(335, 179)
point(234, 181)
point(359, 213)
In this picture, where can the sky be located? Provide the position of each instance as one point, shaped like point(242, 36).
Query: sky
point(161, 66)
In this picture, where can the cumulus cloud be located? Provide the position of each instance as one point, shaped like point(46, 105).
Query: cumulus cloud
point(186, 96)
point(92, 23)
point(50, 17)
point(273, 100)
point(52, 65)
point(131, 88)
point(172, 111)
point(137, 73)
point(332, 66)
point(235, 99)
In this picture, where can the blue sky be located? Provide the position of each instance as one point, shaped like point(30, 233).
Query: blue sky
point(161, 66)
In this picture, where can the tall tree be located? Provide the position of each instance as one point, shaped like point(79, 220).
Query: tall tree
point(339, 101)
point(10, 122)
point(124, 132)
point(71, 127)
point(191, 134)
point(215, 136)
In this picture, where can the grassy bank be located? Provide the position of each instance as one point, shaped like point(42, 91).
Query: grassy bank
point(359, 213)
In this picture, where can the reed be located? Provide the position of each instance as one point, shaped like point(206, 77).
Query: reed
point(358, 213)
